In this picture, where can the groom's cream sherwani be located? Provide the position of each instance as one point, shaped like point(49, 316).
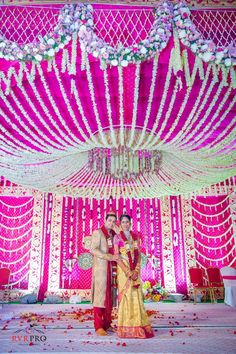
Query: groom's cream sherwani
point(99, 249)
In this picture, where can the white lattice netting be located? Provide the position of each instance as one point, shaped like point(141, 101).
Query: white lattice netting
point(126, 26)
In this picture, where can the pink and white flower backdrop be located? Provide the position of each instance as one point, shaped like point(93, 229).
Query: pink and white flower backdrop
point(40, 233)
point(53, 113)
point(51, 117)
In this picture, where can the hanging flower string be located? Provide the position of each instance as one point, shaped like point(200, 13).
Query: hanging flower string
point(192, 38)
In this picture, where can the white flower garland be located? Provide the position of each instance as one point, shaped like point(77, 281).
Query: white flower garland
point(202, 122)
point(216, 247)
point(214, 236)
point(150, 100)
point(80, 107)
point(95, 108)
point(215, 121)
point(213, 259)
point(152, 136)
point(175, 141)
point(121, 105)
point(135, 104)
point(74, 139)
point(32, 124)
point(70, 110)
point(44, 123)
point(167, 116)
point(31, 135)
point(109, 110)
point(196, 111)
point(60, 136)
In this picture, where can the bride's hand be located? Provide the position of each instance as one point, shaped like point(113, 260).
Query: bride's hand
point(116, 228)
point(134, 276)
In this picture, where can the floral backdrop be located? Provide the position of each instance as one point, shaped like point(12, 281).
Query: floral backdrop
point(78, 80)
point(44, 239)
point(71, 85)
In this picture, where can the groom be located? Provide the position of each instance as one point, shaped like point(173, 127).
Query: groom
point(104, 274)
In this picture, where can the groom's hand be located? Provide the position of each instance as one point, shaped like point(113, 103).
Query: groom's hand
point(115, 258)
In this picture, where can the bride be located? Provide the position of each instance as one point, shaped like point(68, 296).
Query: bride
point(133, 321)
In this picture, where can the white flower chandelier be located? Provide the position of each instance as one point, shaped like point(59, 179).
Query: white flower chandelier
point(123, 163)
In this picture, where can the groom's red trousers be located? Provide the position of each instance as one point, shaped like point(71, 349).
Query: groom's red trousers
point(102, 315)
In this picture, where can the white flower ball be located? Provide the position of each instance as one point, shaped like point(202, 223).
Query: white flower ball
point(206, 56)
point(163, 45)
point(38, 57)
point(194, 47)
point(103, 50)
point(51, 41)
point(114, 62)
point(182, 34)
point(204, 47)
point(124, 63)
point(219, 55)
point(90, 22)
point(143, 50)
point(178, 17)
point(160, 30)
point(228, 62)
point(19, 55)
point(51, 52)
point(95, 54)
point(83, 28)
point(2, 44)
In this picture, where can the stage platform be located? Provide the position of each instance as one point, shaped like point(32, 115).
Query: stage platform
point(179, 328)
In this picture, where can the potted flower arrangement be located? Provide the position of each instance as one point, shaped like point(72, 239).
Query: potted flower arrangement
point(153, 291)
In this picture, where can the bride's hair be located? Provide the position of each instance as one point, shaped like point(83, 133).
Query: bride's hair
point(125, 216)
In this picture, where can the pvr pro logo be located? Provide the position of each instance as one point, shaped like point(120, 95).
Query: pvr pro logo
point(29, 335)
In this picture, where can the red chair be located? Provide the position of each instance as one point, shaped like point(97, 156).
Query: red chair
point(215, 280)
point(4, 280)
point(199, 284)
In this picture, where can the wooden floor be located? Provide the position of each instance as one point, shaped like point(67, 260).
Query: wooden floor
point(179, 328)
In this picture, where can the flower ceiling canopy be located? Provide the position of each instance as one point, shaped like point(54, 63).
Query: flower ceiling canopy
point(86, 117)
